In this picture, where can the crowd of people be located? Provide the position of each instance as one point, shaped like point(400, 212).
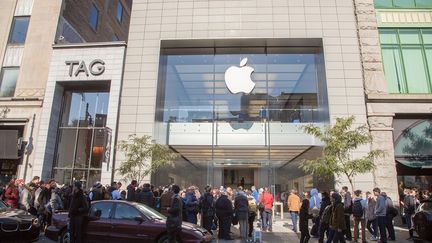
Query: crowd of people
point(332, 213)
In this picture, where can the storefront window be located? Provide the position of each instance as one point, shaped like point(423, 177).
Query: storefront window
point(82, 137)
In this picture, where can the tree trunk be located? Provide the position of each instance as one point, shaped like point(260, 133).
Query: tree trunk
point(351, 182)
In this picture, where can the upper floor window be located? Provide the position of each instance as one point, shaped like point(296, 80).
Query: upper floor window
point(19, 30)
point(403, 3)
point(94, 16)
point(8, 79)
point(407, 59)
point(119, 13)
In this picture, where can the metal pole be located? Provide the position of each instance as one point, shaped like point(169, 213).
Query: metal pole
point(29, 148)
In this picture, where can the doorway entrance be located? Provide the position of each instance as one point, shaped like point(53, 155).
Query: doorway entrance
point(234, 177)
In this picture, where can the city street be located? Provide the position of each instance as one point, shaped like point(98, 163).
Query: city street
point(282, 233)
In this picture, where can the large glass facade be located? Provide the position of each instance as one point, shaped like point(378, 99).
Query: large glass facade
point(225, 136)
point(82, 136)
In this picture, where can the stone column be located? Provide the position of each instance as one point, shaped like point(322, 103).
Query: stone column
point(385, 176)
point(370, 49)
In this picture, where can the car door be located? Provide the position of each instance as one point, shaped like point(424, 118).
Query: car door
point(126, 222)
point(99, 222)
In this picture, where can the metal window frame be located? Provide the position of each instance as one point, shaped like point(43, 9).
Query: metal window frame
point(394, 7)
point(119, 3)
point(11, 30)
point(97, 17)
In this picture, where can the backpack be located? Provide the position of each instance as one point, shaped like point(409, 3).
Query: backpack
point(357, 209)
point(325, 218)
point(252, 205)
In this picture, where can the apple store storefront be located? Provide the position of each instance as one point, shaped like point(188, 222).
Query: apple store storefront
point(235, 114)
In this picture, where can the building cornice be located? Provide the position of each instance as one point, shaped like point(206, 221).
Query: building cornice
point(89, 45)
point(399, 98)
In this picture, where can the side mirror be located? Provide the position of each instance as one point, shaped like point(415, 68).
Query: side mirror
point(139, 219)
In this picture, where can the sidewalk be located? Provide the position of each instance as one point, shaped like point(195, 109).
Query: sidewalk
point(282, 233)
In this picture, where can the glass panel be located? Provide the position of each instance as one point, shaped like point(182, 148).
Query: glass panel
point(65, 149)
point(415, 70)
point(404, 3)
point(388, 36)
point(99, 142)
point(427, 36)
point(424, 3)
point(94, 15)
point(409, 36)
point(428, 52)
point(383, 3)
point(104, 207)
point(119, 11)
point(19, 30)
point(81, 175)
point(94, 176)
point(8, 81)
point(63, 176)
point(393, 70)
point(124, 211)
point(83, 147)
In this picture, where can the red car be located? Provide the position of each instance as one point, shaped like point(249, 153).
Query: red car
point(122, 221)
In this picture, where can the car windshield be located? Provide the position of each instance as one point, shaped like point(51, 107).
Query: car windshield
point(427, 207)
point(3, 205)
point(149, 212)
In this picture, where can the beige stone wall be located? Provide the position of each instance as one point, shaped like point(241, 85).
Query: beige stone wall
point(380, 122)
point(38, 49)
point(152, 21)
point(6, 16)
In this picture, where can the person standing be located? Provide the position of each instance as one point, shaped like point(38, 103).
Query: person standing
point(347, 202)
point(115, 191)
point(96, 192)
point(390, 214)
point(174, 220)
point(191, 206)
point(26, 198)
point(241, 210)
point(337, 223)
point(78, 209)
point(207, 209)
point(252, 205)
point(294, 208)
point(358, 211)
point(380, 212)
point(224, 212)
point(267, 200)
point(131, 194)
point(315, 205)
point(165, 200)
point(371, 223)
point(304, 221)
point(146, 196)
point(255, 194)
point(324, 216)
point(12, 194)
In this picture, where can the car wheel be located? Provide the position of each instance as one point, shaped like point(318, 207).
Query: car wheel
point(164, 239)
point(65, 236)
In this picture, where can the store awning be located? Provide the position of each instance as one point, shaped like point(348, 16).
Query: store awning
point(416, 164)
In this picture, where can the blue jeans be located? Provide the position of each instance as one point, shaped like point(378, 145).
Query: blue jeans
point(267, 219)
point(294, 216)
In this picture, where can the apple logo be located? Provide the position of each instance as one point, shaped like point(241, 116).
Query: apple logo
point(238, 79)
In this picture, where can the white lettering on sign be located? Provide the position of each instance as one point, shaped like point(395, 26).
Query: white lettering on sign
point(96, 67)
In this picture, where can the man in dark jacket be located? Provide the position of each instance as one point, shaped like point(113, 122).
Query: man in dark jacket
point(207, 209)
point(78, 209)
point(146, 196)
point(347, 202)
point(224, 212)
point(174, 220)
point(165, 201)
point(241, 209)
point(131, 191)
point(323, 227)
point(337, 220)
point(96, 192)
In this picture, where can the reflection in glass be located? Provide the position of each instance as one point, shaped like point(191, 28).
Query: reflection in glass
point(8, 81)
point(83, 135)
point(19, 30)
point(62, 176)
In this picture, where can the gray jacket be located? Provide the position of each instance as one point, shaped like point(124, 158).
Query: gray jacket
point(370, 210)
point(381, 207)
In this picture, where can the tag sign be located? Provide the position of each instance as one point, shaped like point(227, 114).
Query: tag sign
point(96, 67)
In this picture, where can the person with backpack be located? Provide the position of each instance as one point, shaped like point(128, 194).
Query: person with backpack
point(252, 205)
point(206, 203)
point(324, 215)
point(294, 205)
point(380, 212)
point(358, 212)
point(347, 201)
